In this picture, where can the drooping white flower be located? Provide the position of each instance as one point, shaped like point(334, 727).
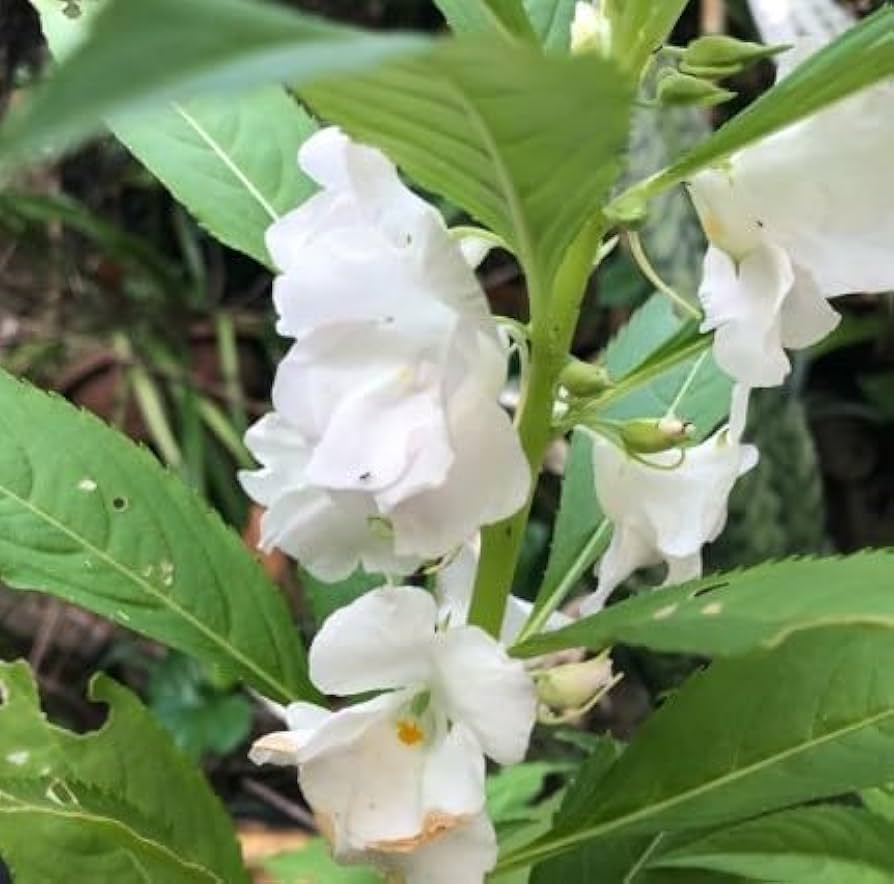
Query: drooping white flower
point(796, 219)
point(396, 773)
point(387, 424)
point(455, 584)
point(464, 853)
point(663, 507)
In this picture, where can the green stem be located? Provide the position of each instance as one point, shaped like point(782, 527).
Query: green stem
point(553, 322)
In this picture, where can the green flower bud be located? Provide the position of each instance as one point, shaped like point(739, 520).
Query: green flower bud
point(710, 72)
point(726, 52)
point(676, 89)
point(654, 436)
point(575, 686)
point(584, 378)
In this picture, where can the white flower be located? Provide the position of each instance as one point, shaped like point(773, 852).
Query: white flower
point(798, 218)
point(387, 429)
point(394, 773)
point(663, 507)
point(591, 30)
point(464, 854)
point(455, 584)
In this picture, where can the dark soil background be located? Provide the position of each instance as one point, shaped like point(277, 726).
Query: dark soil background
point(78, 312)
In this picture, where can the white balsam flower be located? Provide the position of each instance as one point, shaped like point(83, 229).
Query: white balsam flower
point(400, 772)
point(387, 444)
point(664, 507)
point(800, 217)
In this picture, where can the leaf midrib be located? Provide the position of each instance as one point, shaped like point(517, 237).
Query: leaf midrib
point(559, 845)
point(151, 590)
point(220, 152)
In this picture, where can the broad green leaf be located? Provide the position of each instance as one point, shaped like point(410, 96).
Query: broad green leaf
point(618, 861)
point(811, 719)
point(551, 20)
point(506, 18)
point(201, 716)
point(859, 58)
point(144, 55)
point(642, 26)
point(512, 791)
point(95, 807)
point(654, 358)
point(528, 143)
point(580, 532)
point(231, 161)
point(823, 845)
point(735, 613)
point(880, 801)
point(90, 518)
point(313, 864)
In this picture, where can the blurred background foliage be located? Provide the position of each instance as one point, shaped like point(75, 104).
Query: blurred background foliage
point(111, 295)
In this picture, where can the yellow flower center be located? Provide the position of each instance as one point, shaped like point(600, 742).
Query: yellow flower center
point(409, 732)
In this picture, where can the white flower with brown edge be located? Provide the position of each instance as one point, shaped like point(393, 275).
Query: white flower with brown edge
point(796, 219)
point(392, 775)
point(663, 507)
point(387, 444)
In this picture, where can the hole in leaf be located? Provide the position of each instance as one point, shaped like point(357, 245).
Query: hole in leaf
point(120, 504)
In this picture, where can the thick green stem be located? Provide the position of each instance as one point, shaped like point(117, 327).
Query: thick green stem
point(553, 321)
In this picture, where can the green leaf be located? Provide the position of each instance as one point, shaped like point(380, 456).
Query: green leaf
point(834, 845)
point(735, 613)
point(506, 18)
point(512, 791)
point(90, 518)
point(580, 532)
point(136, 57)
point(860, 57)
point(505, 132)
point(200, 716)
point(313, 864)
point(208, 152)
point(551, 20)
point(811, 719)
point(880, 801)
point(653, 358)
point(94, 807)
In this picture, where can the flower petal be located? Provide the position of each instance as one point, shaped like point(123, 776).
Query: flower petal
point(488, 481)
point(404, 447)
point(464, 854)
point(378, 642)
point(453, 780)
point(362, 781)
point(480, 686)
point(806, 315)
point(743, 303)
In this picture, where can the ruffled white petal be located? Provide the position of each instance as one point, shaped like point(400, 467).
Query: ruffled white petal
point(453, 780)
point(378, 642)
point(806, 316)
point(743, 303)
point(489, 480)
point(476, 683)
